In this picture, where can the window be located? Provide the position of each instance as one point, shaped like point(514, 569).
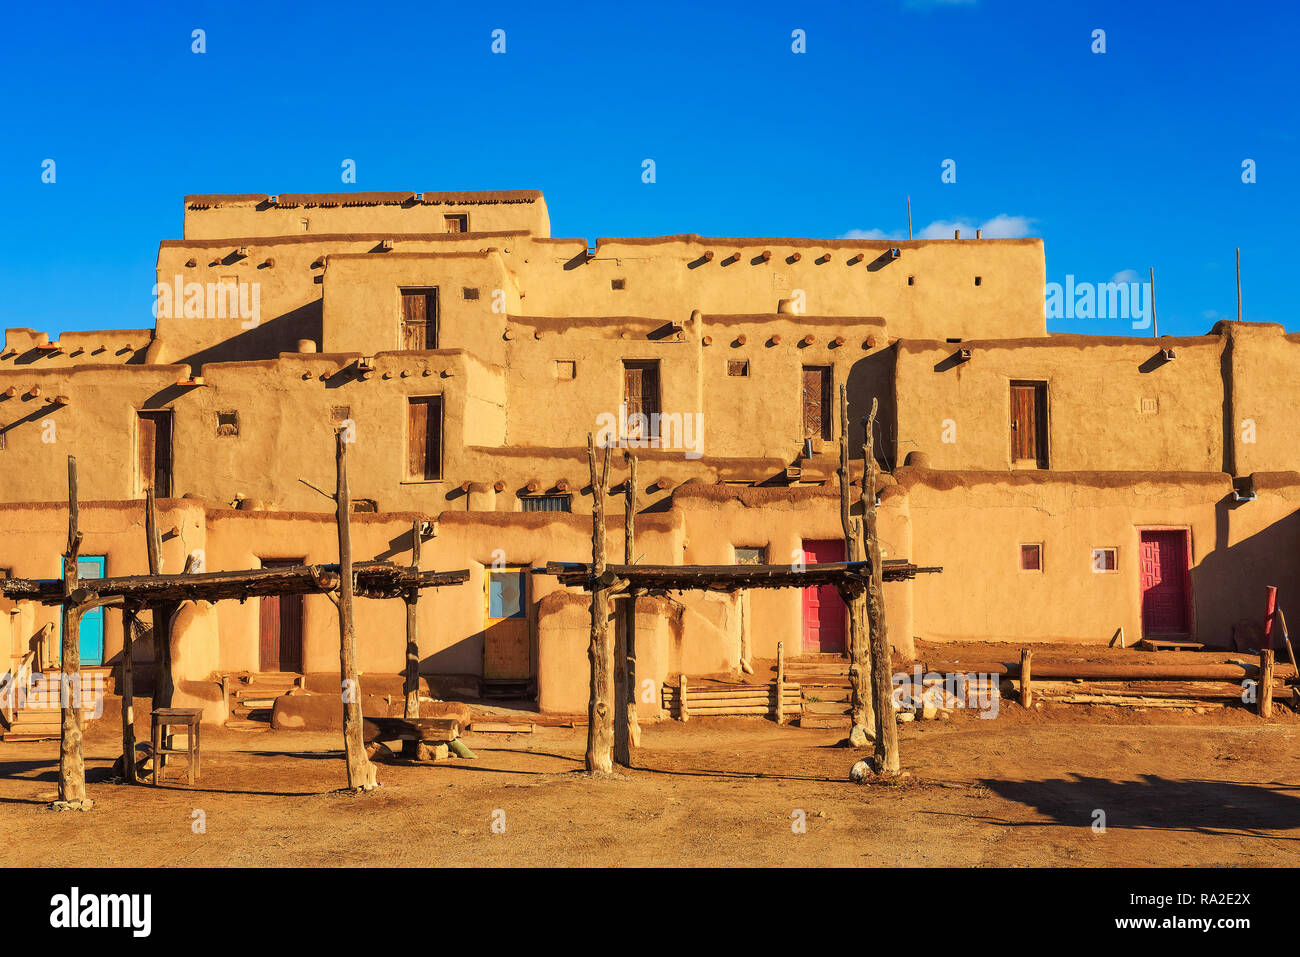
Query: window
point(738, 367)
point(1029, 424)
point(911, 280)
point(4, 440)
point(816, 402)
point(154, 431)
point(457, 223)
point(340, 414)
point(304, 224)
point(1031, 558)
point(419, 318)
point(1105, 559)
point(751, 555)
point(979, 280)
point(469, 292)
point(424, 438)
point(618, 284)
point(641, 398)
point(566, 369)
point(227, 423)
point(6, 573)
point(546, 503)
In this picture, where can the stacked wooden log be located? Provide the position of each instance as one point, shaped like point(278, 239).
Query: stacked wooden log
point(717, 699)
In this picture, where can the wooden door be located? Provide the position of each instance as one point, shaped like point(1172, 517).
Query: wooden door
point(1029, 423)
point(641, 398)
point(419, 318)
point(824, 611)
point(424, 437)
point(816, 399)
point(155, 430)
point(1164, 580)
point(91, 636)
point(280, 626)
point(506, 640)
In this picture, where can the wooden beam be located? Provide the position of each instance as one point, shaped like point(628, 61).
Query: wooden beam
point(72, 768)
point(780, 683)
point(886, 755)
point(128, 695)
point(161, 611)
point(1265, 687)
point(600, 718)
point(361, 774)
point(1027, 677)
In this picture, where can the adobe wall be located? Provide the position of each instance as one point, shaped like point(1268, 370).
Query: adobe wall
point(1096, 388)
point(254, 215)
point(1263, 393)
point(972, 523)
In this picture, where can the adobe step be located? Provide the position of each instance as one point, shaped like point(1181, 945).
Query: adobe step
point(824, 721)
point(238, 724)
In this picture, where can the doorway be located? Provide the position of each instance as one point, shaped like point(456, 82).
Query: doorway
point(1163, 572)
point(824, 611)
point(507, 651)
point(91, 637)
point(280, 626)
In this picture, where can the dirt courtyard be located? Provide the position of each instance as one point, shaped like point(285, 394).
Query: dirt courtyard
point(1022, 790)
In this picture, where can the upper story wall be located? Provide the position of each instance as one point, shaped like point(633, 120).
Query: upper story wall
point(1111, 403)
point(257, 215)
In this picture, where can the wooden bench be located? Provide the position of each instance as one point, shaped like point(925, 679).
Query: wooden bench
point(412, 732)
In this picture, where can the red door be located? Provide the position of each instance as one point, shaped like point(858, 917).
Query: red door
point(1163, 577)
point(824, 611)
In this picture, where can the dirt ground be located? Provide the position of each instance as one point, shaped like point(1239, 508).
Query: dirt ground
point(1021, 790)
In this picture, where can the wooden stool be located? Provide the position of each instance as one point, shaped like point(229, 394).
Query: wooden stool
point(164, 718)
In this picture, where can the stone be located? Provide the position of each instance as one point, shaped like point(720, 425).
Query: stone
point(858, 737)
point(860, 772)
point(905, 716)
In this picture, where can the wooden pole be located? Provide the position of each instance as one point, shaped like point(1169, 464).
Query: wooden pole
point(1266, 683)
point(1270, 599)
point(683, 712)
point(129, 614)
point(627, 730)
point(882, 702)
point(909, 218)
point(1286, 640)
point(361, 774)
point(860, 730)
point(780, 683)
point(600, 718)
point(72, 768)
point(1155, 323)
point(1239, 284)
point(160, 612)
point(1026, 677)
point(412, 598)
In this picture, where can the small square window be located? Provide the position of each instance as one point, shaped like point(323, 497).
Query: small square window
point(1105, 559)
point(566, 369)
point(457, 223)
point(738, 367)
point(469, 292)
point(751, 555)
point(618, 284)
point(305, 224)
point(979, 280)
point(340, 414)
point(911, 280)
point(227, 423)
point(1031, 558)
point(546, 503)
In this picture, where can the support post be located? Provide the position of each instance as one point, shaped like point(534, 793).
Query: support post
point(860, 730)
point(600, 717)
point(161, 612)
point(1266, 683)
point(627, 730)
point(882, 700)
point(683, 713)
point(129, 614)
point(412, 599)
point(361, 774)
point(1026, 678)
point(780, 683)
point(72, 768)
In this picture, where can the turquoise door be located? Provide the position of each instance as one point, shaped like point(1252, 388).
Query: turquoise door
point(92, 622)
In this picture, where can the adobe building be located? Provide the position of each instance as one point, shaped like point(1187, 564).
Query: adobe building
point(1068, 485)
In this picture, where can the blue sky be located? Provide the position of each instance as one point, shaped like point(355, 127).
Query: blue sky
point(1120, 161)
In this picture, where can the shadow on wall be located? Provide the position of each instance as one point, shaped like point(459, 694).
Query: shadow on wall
point(1228, 584)
point(873, 376)
point(266, 340)
point(1158, 803)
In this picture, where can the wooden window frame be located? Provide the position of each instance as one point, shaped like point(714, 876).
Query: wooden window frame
point(1114, 554)
point(1042, 562)
point(742, 365)
point(565, 497)
point(143, 482)
point(652, 419)
point(827, 386)
point(461, 220)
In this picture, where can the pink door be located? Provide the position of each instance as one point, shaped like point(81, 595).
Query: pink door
point(1163, 578)
point(824, 611)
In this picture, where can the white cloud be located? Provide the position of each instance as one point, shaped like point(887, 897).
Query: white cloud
point(1002, 226)
point(1125, 275)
